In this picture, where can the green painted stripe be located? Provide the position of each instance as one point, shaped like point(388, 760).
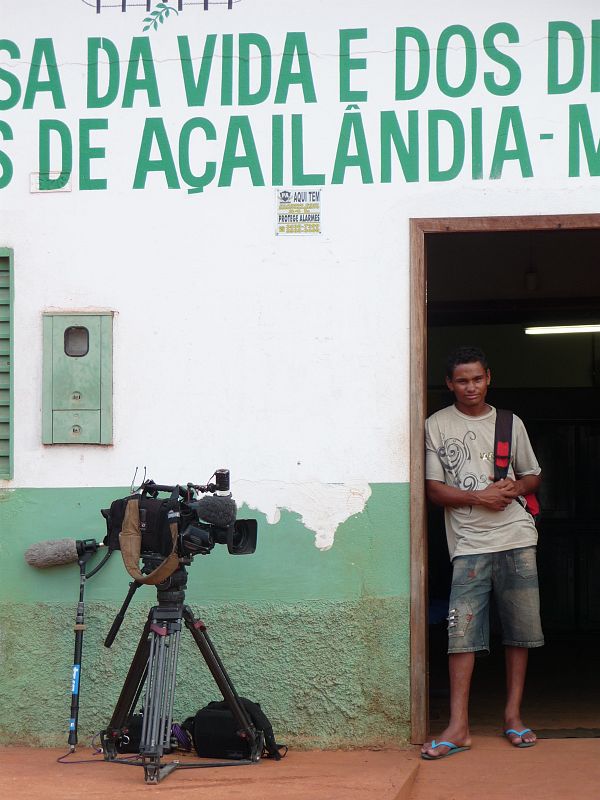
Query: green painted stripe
point(370, 555)
point(320, 638)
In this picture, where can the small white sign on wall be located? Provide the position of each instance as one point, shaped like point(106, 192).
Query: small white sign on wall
point(298, 212)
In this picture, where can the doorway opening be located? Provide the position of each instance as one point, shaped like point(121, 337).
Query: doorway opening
point(484, 281)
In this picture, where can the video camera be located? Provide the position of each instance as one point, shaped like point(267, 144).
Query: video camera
point(203, 516)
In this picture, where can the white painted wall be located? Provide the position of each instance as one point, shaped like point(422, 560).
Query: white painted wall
point(283, 358)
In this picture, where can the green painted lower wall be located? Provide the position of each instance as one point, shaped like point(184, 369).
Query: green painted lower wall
point(320, 638)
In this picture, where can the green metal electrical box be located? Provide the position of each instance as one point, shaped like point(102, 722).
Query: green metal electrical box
point(77, 381)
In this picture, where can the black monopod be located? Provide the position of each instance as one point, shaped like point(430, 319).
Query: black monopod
point(85, 550)
point(54, 554)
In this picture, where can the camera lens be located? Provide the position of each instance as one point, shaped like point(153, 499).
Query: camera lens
point(243, 540)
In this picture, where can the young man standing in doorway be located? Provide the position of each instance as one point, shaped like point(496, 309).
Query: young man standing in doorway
point(491, 541)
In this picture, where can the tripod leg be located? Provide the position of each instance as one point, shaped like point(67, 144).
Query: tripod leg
point(160, 688)
point(129, 696)
point(223, 681)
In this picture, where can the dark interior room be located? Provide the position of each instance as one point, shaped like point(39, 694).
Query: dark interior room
point(485, 289)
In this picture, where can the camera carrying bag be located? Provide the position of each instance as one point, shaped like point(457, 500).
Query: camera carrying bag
point(502, 452)
point(214, 732)
point(138, 523)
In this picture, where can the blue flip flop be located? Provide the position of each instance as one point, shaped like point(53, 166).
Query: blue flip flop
point(513, 732)
point(453, 749)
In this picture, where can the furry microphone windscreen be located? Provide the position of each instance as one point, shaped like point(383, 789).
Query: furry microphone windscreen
point(52, 553)
point(219, 511)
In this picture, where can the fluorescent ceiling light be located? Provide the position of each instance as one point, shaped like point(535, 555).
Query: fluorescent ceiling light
point(564, 329)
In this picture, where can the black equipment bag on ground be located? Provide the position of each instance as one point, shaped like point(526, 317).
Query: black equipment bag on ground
point(214, 731)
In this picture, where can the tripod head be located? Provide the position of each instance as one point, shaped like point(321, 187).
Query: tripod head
point(172, 590)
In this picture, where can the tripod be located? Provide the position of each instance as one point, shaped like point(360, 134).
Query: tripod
point(154, 668)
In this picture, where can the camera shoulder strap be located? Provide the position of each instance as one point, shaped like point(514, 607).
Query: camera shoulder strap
point(130, 540)
point(502, 442)
point(502, 452)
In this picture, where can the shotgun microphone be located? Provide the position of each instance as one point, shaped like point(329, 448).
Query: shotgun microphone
point(59, 551)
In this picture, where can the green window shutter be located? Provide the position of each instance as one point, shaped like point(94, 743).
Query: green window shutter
point(6, 363)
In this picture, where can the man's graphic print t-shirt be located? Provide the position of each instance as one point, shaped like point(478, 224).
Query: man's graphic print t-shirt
point(460, 452)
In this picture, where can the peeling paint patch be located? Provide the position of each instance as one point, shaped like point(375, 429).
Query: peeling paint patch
point(322, 506)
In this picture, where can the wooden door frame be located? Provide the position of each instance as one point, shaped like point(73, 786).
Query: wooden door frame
point(419, 230)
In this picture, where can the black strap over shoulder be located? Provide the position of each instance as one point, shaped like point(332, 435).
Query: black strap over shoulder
point(502, 450)
point(502, 443)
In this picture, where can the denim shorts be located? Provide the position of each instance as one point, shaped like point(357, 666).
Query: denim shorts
point(511, 576)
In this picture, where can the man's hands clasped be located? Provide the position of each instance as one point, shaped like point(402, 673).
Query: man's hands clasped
point(497, 496)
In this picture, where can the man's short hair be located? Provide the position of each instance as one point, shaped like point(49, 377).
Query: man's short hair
point(465, 355)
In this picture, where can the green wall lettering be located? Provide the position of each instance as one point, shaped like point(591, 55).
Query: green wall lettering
point(511, 122)
point(9, 77)
point(227, 71)
point(195, 88)
point(299, 177)
point(477, 144)
point(514, 71)
point(155, 132)
point(408, 155)
point(239, 128)
point(47, 127)
point(435, 117)
point(347, 64)
point(246, 59)
point(5, 162)
point(43, 53)
point(277, 150)
point(595, 65)
point(196, 182)
point(577, 47)
point(402, 36)
point(441, 64)
point(295, 44)
point(94, 98)
point(352, 129)
point(580, 129)
point(87, 153)
point(141, 57)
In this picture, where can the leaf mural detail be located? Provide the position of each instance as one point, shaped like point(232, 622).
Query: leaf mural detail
point(158, 16)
